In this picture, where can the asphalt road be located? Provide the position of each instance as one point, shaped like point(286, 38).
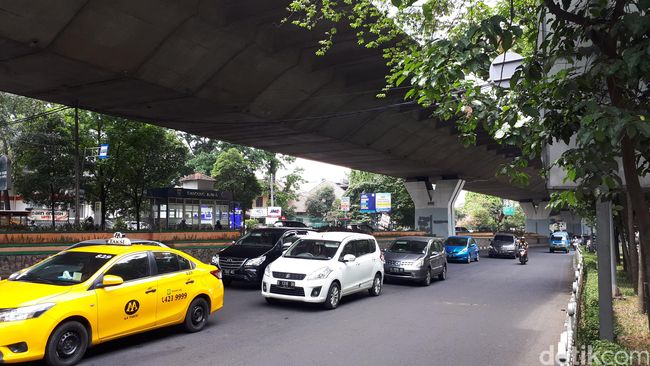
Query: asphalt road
point(495, 312)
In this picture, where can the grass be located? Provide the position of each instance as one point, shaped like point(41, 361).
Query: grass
point(631, 327)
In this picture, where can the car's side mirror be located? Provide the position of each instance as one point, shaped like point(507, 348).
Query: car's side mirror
point(349, 258)
point(111, 280)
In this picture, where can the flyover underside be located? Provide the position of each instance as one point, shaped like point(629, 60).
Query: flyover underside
point(230, 70)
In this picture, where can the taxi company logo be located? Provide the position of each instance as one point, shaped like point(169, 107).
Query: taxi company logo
point(132, 307)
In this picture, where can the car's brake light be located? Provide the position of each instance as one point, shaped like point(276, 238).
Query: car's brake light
point(216, 273)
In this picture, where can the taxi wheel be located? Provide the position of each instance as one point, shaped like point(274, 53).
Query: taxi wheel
point(197, 315)
point(375, 290)
point(443, 275)
point(427, 278)
point(67, 344)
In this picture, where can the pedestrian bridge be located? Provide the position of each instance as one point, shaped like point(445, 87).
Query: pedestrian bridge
point(231, 70)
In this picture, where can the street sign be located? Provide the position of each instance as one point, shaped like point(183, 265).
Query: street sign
point(257, 212)
point(345, 204)
point(5, 173)
point(103, 151)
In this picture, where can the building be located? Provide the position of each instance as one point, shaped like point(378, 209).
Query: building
point(193, 205)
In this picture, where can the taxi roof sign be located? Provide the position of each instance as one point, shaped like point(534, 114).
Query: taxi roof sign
point(119, 239)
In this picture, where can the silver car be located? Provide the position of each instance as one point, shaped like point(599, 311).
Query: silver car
point(503, 245)
point(416, 258)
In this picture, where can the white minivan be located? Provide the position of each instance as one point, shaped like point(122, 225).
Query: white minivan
point(324, 267)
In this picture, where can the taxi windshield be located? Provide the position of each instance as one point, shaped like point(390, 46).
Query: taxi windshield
point(313, 249)
point(65, 269)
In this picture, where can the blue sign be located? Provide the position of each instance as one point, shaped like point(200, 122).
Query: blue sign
point(367, 204)
point(103, 151)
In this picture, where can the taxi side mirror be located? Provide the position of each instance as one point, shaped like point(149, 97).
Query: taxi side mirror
point(349, 258)
point(110, 280)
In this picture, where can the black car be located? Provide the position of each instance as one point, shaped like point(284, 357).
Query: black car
point(289, 223)
point(246, 259)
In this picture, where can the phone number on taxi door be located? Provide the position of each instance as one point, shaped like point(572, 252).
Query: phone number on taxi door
point(175, 297)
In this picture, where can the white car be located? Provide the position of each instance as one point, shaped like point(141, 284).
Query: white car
point(324, 267)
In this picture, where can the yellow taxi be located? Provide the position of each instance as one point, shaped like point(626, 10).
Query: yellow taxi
point(100, 290)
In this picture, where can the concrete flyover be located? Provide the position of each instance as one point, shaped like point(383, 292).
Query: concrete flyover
point(229, 69)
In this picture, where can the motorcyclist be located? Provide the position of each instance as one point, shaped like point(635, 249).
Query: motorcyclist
point(523, 244)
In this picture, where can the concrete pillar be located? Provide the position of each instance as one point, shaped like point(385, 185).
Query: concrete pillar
point(434, 206)
point(537, 217)
point(573, 222)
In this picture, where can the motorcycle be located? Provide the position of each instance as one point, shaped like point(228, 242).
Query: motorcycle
point(522, 254)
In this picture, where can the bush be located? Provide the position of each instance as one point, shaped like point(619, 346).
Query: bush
point(119, 225)
point(251, 224)
point(609, 353)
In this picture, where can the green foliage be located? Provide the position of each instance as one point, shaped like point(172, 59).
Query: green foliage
point(588, 328)
point(120, 224)
point(289, 192)
point(234, 174)
point(251, 224)
point(402, 211)
point(485, 212)
point(321, 202)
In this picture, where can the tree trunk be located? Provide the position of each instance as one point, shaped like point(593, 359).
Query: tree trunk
point(632, 248)
point(641, 213)
point(52, 205)
point(137, 213)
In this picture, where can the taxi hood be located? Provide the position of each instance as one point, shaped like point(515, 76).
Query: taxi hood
point(299, 265)
point(20, 293)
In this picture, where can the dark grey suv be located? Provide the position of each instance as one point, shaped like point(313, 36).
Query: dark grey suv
point(416, 258)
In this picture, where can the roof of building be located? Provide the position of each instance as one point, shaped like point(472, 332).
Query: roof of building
point(197, 176)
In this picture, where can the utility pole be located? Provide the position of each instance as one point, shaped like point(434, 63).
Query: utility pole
point(77, 169)
point(605, 275)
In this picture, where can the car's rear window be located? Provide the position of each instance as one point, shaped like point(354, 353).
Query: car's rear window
point(557, 237)
point(506, 238)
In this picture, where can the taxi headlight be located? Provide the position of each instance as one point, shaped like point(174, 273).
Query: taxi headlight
point(25, 312)
point(320, 274)
point(255, 261)
point(418, 263)
point(463, 251)
point(267, 271)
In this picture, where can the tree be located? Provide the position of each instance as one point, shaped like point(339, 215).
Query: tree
point(583, 81)
point(321, 202)
point(402, 210)
point(485, 212)
point(44, 162)
point(234, 174)
point(148, 157)
point(288, 191)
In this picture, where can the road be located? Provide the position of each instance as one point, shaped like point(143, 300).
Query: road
point(495, 312)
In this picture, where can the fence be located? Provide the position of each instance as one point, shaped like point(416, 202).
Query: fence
point(565, 347)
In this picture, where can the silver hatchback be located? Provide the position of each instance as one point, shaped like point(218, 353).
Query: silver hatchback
point(416, 258)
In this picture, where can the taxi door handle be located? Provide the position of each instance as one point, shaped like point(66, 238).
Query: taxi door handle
point(149, 291)
point(189, 282)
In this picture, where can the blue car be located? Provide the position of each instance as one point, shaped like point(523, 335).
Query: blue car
point(461, 248)
point(559, 241)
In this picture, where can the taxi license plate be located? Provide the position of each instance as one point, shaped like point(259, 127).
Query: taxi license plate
point(286, 284)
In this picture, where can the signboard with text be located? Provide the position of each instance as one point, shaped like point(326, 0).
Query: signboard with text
point(257, 212)
point(46, 215)
point(367, 203)
point(274, 212)
point(382, 202)
point(345, 204)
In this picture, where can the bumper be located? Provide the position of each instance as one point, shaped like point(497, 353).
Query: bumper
point(302, 291)
point(559, 246)
point(405, 273)
point(503, 252)
point(457, 257)
point(24, 331)
point(245, 274)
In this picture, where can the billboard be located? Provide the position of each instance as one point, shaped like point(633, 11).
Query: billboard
point(367, 203)
point(382, 202)
point(345, 204)
point(257, 212)
point(274, 212)
point(46, 215)
point(5, 173)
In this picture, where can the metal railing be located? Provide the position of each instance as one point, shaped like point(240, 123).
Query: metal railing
point(565, 347)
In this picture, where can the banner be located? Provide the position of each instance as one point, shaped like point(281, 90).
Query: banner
point(46, 215)
point(367, 204)
point(383, 202)
point(345, 204)
point(274, 212)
